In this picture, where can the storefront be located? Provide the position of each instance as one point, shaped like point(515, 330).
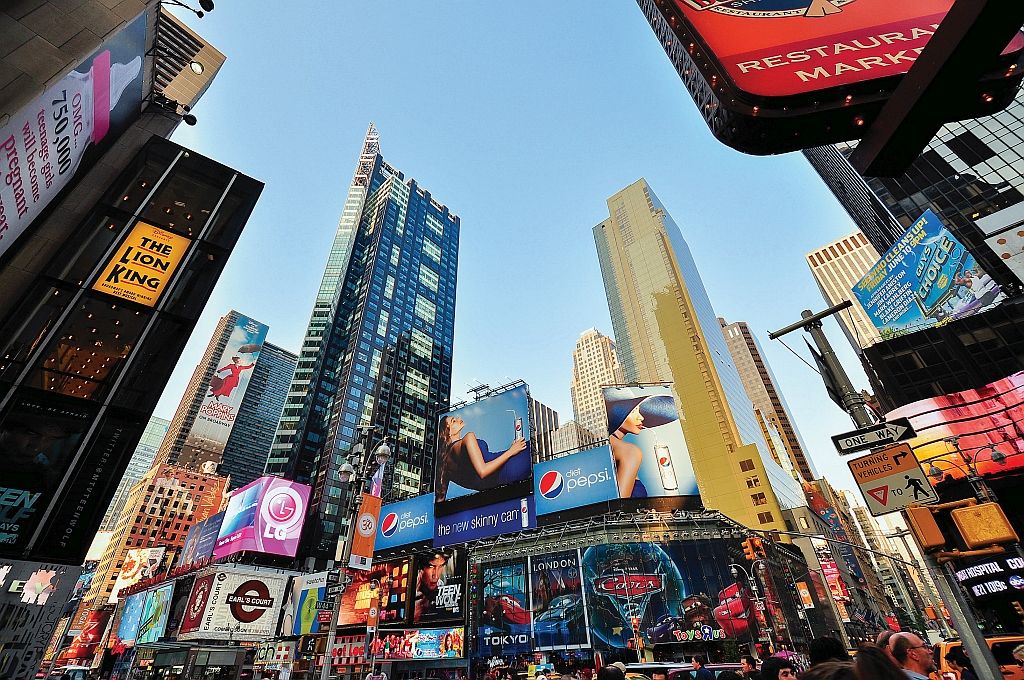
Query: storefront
point(190, 663)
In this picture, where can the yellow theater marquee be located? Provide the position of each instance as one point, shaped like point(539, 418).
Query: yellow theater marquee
point(143, 264)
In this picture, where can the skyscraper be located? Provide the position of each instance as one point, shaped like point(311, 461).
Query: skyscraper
point(378, 348)
point(762, 388)
point(226, 419)
point(544, 423)
point(594, 363)
point(837, 267)
point(569, 437)
point(141, 461)
point(667, 331)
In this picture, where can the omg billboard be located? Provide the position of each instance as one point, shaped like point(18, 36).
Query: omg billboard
point(307, 609)
point(240, 605)
point(265, 516)
point(646, 441)
point(224, 393)
point(484, 445)
point(925, 279)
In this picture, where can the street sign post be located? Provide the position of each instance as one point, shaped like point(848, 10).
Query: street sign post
point(892, 479)
point(896, 430)
point(334, 590)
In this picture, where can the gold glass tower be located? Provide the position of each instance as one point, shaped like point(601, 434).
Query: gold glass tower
point(667, 331)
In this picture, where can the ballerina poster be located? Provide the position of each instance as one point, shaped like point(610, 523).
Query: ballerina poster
point(224, 392)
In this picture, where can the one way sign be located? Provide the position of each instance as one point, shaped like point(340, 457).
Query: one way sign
point(877, 435)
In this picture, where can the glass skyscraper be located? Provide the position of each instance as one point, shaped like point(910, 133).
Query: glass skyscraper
point(378, 348)
point(138, 466)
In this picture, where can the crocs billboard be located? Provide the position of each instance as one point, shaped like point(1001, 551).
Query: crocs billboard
point(45, 145)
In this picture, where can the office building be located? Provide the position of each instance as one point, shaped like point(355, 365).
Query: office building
point(594, 364)
point(543, 423)
point(837, 267)
point(140, 463)
point(666, 330)
point(763, 391)
point(569, 437)
point(227, 416)
point(378, 349)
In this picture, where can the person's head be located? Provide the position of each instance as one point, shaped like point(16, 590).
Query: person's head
point(874, 663)
point(775, 668)
point(827, 649)
point(235, 360)
point(830, 670)
point(729, 675)
point(912, 653)
point(696, 663)
point(621, 666)
point(610, 673)
point(451, 428)
point(431, 572)
point(748, 664)
point(1018, 653)
point(957, 659)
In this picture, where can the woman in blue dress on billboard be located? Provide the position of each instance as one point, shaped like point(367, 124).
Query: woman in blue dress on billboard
point(465, 460)
point(631, 415)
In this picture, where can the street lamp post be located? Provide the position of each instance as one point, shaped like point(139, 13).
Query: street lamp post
point(982, 491)
point(357, 480)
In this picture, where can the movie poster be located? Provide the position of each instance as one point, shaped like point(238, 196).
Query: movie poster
point(440, 587)
point(505, 614)
point(556, 602)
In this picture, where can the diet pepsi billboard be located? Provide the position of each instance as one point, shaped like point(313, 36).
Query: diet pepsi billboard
point(506, 517)
point(405, 522)
point(575, 481)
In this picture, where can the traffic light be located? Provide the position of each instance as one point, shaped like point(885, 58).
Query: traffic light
point(759, 546)
point(635, 620)
point(748, 549)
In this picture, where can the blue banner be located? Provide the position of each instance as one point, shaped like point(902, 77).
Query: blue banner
point(507, 517)
point(405, 522)
point(574, 481)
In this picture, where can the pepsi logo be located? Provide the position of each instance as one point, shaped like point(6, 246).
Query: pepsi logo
point(389, 525)
point(551, 484)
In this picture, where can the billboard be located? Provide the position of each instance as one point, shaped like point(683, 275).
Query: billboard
point(179, 601)
point(131, 617)
point(816, 502)
point(139, 564)
point(33, 597)
point(506, 517)
point(84, 644)
point(155, 611)
point(265, 516)
point(67, 127)
point(385, 584)
point(405, 522)
point(219, 408)
point(484, 445)
point(239, 605)
point(925, 279)
point(647, 444)
point(440, 590)
point(420, 644)
point(575, 481)
point(142, 266)
point(558, 612)
point(987, 419)
point(505, 611)
point(307, 609)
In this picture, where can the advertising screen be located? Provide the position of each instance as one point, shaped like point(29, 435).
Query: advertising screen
point(187, 555)
point(131, 617)
point(83, 646)
point(67, 127)
point(440, 589)
point(505, 611)
point(420, 644)
point(154, 613)
point(988, 419)
point(139, 564)
point(647, 444)
point(506, 517)
point(142, 266)
point(207, 538)
point(307, 605)
point(240, 605)
point(405, 522)
point(219, 409)
point(559, 615)
point(817, 503)
point(182, 591)
point(264, 516)
point(575, 481)
point(392, 596)
point(925, 279)
point(484, 445)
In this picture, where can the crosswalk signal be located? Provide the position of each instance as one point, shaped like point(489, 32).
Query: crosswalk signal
point(749, 551)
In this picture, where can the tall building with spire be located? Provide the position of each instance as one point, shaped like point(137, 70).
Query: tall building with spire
point(667, 331)
point(378, 347)
point(763, 390)
point(594, 364)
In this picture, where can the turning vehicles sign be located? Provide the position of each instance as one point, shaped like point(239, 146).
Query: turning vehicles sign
point(891, 479)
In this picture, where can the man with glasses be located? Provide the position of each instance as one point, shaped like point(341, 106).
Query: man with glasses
point(913, 655)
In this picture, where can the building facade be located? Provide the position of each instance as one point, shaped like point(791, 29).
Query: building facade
point(140, 463)
point(594, 364)
point(378, 348)
point(666, 330)
point(570, 437)
point(544, 423)
point(837, 267)
point(762, 388)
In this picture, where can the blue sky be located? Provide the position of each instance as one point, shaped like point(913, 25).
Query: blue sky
point(523, 118)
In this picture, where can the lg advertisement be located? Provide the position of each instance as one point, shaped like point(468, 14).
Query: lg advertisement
point(484, 445)
point(265, 516)
point(647, 445)
point(234, 604)
point(925, 279)
point(406, 522)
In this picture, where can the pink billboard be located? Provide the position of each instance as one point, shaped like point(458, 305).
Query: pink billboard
point(265, 516)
